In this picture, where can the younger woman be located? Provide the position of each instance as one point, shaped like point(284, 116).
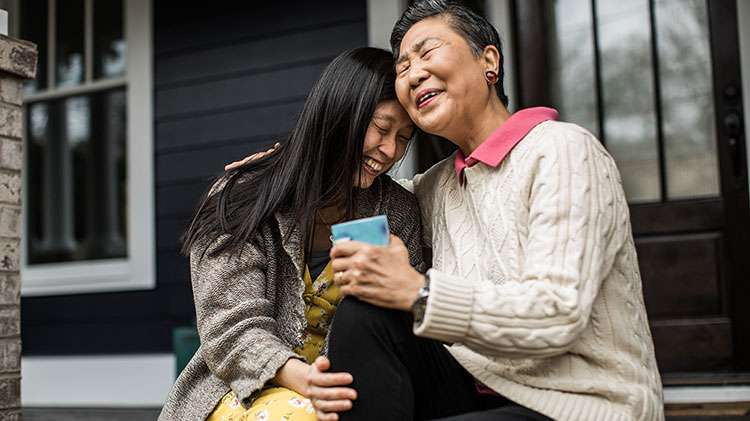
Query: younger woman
point(260, 239)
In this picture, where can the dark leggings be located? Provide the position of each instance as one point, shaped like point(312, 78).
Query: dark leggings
point(400, 376)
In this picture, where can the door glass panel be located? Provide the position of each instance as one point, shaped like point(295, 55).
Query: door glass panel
point(69, 36)
point(574, 77)
point(628, 95)
point(688, 119)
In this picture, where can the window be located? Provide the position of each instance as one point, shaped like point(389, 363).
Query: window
point(88, 184)
point(638, 74)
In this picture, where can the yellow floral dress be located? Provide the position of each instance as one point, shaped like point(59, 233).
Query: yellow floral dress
point(279, 403)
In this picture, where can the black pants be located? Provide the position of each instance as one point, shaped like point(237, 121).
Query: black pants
point(399, 376)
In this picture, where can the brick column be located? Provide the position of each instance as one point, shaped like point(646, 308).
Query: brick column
point(17, 62)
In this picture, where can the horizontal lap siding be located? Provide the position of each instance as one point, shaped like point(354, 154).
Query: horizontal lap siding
point(227, 82)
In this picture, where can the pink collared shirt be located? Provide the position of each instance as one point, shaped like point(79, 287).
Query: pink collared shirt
point(501, 141)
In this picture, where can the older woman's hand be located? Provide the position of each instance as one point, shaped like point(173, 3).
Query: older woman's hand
point(381, 276)
point(326, 392)
point(252, 157)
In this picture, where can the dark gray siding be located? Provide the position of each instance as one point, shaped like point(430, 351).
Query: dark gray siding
point(228, 80)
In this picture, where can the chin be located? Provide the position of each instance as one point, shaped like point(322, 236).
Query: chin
point(366, 182)
point(430, 124)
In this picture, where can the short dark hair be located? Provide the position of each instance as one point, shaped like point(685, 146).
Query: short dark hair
point(474, 29)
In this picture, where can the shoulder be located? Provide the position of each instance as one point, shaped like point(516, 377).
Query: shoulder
point(552, 135)
point(396, 199)
point(428, 184)
point(400, 206)
point(556, 142)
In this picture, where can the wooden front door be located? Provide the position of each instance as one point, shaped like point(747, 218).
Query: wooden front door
point(658, 81)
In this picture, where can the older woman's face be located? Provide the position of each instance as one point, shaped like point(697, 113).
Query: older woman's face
point(439, 81)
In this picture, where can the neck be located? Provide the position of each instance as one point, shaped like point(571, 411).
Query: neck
point(478, 128)
point(330, 215)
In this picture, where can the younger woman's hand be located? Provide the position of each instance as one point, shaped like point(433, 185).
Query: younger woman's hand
point(326, 392)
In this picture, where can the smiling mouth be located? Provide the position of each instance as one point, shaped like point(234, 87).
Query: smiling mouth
point(374, 166)
point(425, 98)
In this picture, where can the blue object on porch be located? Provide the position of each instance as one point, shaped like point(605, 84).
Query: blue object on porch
point(185, 342)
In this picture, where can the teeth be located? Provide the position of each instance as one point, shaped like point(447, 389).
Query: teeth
point(372, 164)
point(426, 97)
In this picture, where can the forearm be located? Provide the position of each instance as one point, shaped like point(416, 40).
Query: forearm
point(292, 375)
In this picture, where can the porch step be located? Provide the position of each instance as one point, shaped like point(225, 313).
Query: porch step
point(729, 411)
point(90, 414)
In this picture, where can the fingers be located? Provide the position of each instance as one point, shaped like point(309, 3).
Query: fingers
point(332, 406)
point(318, 379)
point(235, 164)
point(252, 157)
point(348, 248)
point(322, 363)
point(331, 394)
point(395, 240)
point(322, 416)
point(325, 391)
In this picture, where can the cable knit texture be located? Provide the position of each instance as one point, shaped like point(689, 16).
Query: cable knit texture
point(536, 281)
point(250, 309)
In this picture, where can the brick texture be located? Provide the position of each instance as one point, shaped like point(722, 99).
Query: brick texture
point(11, 154)
point(10, 356)
point(10, 288)
point(10, 415)
point(10, 393)
point(17, 62)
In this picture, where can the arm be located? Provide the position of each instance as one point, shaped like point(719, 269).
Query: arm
point(575, 205)
point(235, 319)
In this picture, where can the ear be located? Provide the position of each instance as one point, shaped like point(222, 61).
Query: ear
point(491, 58)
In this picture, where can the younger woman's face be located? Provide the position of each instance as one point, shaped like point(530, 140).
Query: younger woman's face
point(385, 141)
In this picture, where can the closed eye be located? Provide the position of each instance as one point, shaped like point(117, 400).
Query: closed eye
point(380, 129)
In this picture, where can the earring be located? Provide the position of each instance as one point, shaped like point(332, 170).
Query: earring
point(490, 77)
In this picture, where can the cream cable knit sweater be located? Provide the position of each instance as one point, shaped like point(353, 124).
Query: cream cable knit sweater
point(536, 281)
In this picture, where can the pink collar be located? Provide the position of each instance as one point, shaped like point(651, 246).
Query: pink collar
point(501, 141)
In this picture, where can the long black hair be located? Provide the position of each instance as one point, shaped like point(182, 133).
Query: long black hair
point(316, 165)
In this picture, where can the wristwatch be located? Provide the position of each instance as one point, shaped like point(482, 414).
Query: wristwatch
point(420, 304)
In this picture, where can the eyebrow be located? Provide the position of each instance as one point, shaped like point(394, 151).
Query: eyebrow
point(384, 117)
point(415, 48)
point(390, 118)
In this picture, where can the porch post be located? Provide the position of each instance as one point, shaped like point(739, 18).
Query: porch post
point(17, 62)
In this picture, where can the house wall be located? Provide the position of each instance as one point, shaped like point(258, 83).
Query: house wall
point(227, 81)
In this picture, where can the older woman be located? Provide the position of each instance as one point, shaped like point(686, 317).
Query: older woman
point(535, 280)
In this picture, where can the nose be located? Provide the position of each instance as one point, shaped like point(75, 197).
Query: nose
point(388, 145)
point(417, 74)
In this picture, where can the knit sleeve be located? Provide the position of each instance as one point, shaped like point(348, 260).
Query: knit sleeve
point(234, 311)
point(405, 222)
point(574, 197)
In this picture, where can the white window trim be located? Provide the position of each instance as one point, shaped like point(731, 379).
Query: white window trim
point(137, 271)
point(97, 381)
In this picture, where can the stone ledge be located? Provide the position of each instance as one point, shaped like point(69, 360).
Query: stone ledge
point(18, 57)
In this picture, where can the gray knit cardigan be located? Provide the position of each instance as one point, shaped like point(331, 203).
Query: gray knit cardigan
point(250, 310)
